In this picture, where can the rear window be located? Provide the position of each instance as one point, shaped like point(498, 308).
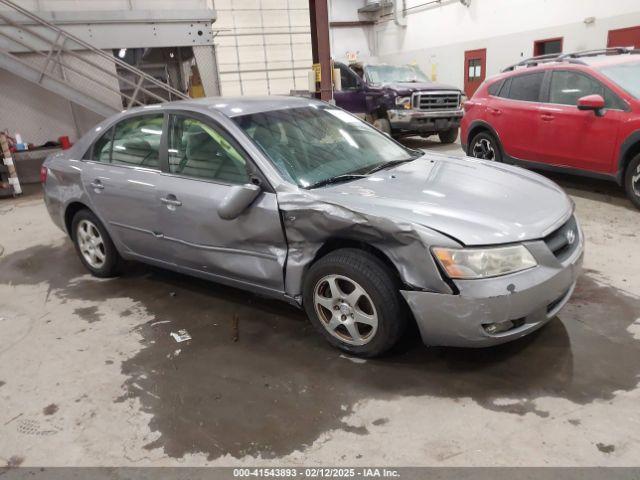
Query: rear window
point(494, 88)
point(525, 87)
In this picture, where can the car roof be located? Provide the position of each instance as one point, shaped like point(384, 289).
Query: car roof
point(236, 106)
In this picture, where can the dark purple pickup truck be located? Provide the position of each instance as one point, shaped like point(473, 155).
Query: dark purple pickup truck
point(400, 101)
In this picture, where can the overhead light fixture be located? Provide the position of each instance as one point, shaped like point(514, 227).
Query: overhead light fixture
point(122, 52)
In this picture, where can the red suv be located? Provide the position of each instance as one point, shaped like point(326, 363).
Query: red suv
point(577, 113)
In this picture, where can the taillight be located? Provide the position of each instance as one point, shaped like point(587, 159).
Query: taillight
point(43, 174)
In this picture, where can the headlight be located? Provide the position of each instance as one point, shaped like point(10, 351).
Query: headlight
point(403, 102)
point(469, 263)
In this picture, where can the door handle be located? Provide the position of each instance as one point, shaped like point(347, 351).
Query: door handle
point(495, 111)
point(171, 201)
point(97, 184)
point(547, 117)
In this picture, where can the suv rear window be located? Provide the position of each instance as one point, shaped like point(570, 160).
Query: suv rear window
point(525, 87)
point(494, 88)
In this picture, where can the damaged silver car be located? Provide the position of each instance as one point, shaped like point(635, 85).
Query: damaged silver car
point(296, 199)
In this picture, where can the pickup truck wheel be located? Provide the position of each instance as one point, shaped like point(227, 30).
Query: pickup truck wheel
point(485, 146)
point(448, 136)
point(94, 245)
point(632, 181)
point(383, 125)
point(352, 298)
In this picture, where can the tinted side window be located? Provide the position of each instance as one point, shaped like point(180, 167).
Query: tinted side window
point(526, 87)
point(136, 141)
point(568, 87)
point(494, 88)
point(347, 78)
point(200, 151)
point(101, 149)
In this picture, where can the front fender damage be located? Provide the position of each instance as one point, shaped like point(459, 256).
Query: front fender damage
point(309, 222)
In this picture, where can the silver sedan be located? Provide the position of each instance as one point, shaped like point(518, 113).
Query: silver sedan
point(297, 199)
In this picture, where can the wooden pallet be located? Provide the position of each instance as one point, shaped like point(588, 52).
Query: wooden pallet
point(9, 183)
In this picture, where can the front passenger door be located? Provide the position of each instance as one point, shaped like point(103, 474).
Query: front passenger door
point(204, 163)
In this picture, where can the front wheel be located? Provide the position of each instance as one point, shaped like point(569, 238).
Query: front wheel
point(448, 136)
point(485, 146)
point(632, 181)
point(352, 298)
point(383, 125)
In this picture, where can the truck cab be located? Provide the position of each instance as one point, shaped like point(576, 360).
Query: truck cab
point(400, 100)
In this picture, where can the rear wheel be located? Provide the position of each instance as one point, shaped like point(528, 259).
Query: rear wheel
point(352, 298)
point(94, 245)
point(485, 146)
point(632, 181)
point(448, 136)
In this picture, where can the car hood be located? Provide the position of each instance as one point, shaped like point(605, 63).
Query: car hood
point(410, 87)
point(474, 201)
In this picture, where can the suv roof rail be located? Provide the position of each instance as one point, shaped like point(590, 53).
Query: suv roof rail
point(601, 51)
point(573, 57)
point(533, 61)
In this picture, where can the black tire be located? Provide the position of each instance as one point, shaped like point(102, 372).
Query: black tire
point(383, 125)
point(112, 261)
point(448, 136)
point(632, 181)
point(485, 146)
point(380, 285)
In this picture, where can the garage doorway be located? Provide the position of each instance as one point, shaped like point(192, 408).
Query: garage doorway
point(475, 66)
point(624, 37)
point(547, 46)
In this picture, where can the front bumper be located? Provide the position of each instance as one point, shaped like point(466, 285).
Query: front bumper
point(424, 121)
point(530, 299)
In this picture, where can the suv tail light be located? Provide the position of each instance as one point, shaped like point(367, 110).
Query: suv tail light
point(43, 174)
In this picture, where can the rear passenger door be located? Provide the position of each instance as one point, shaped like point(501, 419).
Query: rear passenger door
point(204, 163)
point(576, 138)
point(514, 114)
point(121, 173)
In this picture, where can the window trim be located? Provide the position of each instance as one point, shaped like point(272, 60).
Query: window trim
point(253, 171)
point(547, 89)
point(112, 127)
point(542, 41)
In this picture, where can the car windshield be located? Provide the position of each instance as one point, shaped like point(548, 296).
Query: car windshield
point(381, 74)
point(626, 75)
point(316, 144)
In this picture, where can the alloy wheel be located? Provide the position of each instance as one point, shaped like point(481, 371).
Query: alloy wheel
point(91, 244)
point(483, 149)
point(345, 309)
point(635, 181)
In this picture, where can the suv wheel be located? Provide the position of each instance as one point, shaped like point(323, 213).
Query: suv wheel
point(449, 136)
point(353, 300)
point(632, 181)
point(485, 146)
point(93, 244)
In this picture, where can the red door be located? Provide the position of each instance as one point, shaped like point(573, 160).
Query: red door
point(624, 37)
point(475, 66)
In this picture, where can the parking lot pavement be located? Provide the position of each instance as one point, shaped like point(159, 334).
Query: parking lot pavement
point(89, 374)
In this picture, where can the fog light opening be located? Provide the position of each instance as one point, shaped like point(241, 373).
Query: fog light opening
point(501, 327)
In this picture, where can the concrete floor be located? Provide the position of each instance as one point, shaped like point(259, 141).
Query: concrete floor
point(89, 375)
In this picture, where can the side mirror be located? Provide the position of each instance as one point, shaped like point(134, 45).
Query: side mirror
point(238, 200)
point(594, 103)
